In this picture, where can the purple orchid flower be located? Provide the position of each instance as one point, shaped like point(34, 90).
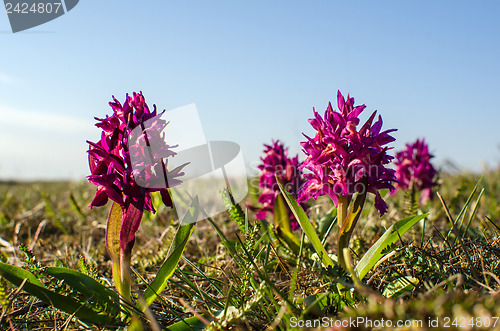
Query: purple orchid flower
point(414, 170)
point(340, 156)
point(277, 163)
point(112, 171)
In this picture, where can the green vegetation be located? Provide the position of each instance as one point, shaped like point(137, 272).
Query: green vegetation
point(440, 260)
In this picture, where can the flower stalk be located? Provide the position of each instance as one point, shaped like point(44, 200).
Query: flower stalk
point(348, 224)
point(125, 275)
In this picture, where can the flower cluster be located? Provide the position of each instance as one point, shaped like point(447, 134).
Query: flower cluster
point(414, 170)
point(110, 158)
point(277, 163)
point(344, 160)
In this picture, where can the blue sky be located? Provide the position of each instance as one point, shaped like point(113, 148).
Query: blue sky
point(255, 70)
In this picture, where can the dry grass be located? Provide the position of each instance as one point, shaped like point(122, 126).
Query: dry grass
point(456, 276)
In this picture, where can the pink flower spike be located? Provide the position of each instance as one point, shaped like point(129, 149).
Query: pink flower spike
point(340, 156)
point(277, 163)
point(414, 170)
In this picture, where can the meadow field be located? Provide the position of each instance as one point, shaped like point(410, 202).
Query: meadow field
point(240, 273)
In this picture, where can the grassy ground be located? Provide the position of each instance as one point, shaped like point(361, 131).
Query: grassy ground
point(247, 278)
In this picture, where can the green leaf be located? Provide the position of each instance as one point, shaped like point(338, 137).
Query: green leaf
point(174, 255)
point(13, 274)
point(301, 217)
point(282, 224)
point(400, 286)
point(35, 287)
point(390, 236)
point(317, 304)
point(113, 242)
point(188, 324)
point(89, 287)
point(281, 217)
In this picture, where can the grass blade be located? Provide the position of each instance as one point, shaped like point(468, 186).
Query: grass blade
point(474, 210)
point(464, 208)
point(301, 217)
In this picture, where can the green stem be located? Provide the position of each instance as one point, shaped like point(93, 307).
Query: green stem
point(349, 222)
point(343, 240)
point(125, 276)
